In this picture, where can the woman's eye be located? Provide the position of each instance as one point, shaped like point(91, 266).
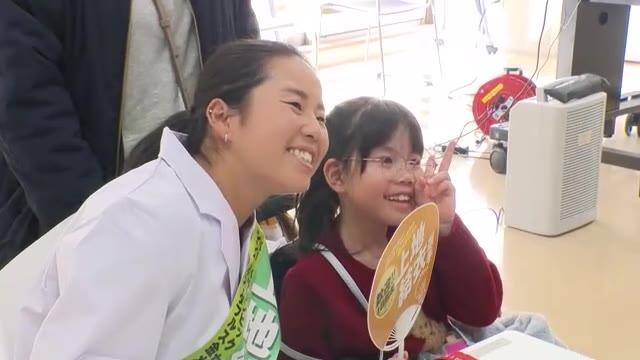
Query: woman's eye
point(321, 119)
point(296, 105)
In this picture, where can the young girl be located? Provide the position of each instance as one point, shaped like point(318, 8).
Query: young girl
point(166, 262)
point(369, 181)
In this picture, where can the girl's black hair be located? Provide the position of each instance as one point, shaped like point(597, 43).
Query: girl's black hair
point(230, 74)
point(356, 127)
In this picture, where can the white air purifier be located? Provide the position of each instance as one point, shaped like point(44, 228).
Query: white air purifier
point(553, 163)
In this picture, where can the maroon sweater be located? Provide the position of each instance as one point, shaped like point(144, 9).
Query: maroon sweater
point(320, 317)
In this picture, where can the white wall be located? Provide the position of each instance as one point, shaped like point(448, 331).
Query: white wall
point(633, 37)
point(523, 23)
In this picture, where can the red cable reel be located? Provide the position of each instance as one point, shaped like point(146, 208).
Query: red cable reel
point(494, 99)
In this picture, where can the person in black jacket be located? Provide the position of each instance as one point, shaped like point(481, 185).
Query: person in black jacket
point(81, 84)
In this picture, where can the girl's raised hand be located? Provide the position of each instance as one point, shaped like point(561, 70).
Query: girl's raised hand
point(436, 186)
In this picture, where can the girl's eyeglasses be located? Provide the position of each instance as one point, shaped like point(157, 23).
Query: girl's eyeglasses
point(396, 166)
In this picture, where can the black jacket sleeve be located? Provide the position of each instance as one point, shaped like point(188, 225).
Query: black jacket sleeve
point(247, 20)
point(40, 134)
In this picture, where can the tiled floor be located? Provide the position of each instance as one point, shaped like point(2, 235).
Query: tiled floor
point(584, 282)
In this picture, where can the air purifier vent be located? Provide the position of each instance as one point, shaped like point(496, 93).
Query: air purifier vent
point(581, 161)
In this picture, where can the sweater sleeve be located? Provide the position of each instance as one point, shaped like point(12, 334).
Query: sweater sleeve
point(302, 321)
point(246, 19)
point(469, 283)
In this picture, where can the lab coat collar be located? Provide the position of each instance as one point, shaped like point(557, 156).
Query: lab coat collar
point(208, 199)
point(206, 194)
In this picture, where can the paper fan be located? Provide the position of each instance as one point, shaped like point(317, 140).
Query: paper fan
point(402, 278)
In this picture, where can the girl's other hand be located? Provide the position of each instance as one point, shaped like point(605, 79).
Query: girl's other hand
point(405, 356)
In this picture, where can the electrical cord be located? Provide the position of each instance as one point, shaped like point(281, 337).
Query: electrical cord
point(562, 28)
point(474, 157)
point(537, 70)
point(486, 115)
point(499, 215)
point(459, 150)
point(451, 92)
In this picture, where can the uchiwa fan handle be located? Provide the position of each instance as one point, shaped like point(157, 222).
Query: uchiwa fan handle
point(402, 329)
point(393, 343)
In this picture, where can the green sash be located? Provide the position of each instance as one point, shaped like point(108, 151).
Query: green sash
point(251, 331)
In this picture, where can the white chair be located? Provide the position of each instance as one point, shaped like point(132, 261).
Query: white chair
point(374, 9)
point(17, 278)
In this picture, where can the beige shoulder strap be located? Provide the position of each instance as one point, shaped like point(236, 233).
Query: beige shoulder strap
point(165, 24)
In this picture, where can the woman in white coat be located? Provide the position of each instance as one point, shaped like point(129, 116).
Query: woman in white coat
point(166, 262)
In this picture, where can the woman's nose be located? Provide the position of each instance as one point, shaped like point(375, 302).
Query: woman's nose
point(312, 127)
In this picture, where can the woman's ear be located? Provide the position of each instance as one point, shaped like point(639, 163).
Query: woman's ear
point(335, 175)
point(219, 117)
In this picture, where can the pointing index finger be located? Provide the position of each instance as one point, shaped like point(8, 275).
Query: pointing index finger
point(447, 157)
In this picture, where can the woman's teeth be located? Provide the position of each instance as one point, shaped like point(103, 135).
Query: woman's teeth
point(400, 198)
point(302, 155)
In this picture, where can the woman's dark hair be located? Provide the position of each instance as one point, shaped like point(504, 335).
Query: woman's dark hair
point(355, 127)
point(148, 148)
point(230, 74)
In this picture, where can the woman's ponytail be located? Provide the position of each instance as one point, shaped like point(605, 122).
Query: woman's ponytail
point(194, 124)
point(148, 148)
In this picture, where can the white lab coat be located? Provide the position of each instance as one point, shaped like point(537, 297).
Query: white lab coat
point(146, 269)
